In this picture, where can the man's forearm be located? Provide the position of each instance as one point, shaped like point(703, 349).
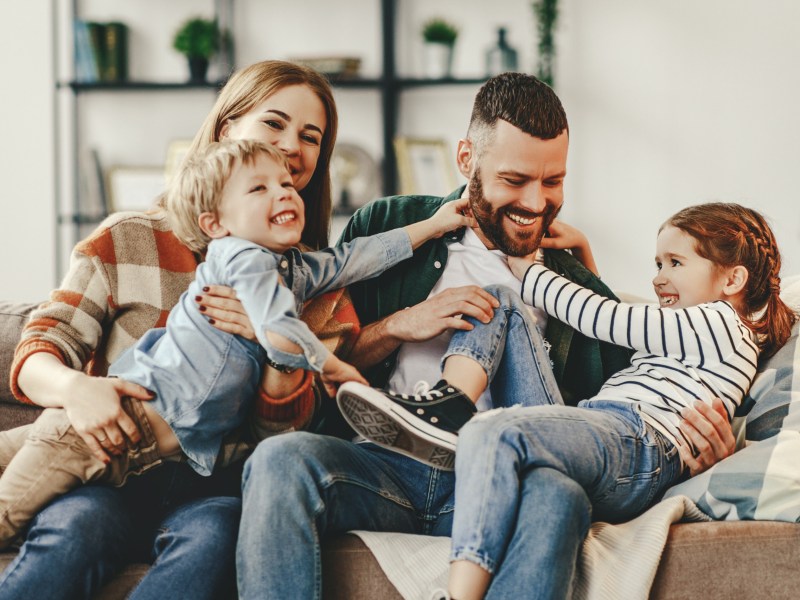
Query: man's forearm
point(374, 343)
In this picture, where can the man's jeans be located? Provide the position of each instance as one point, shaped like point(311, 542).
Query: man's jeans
point(530, 480)
point(300, 488)
point(168, 517)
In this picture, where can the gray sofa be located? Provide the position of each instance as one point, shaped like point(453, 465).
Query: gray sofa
point(718, 560)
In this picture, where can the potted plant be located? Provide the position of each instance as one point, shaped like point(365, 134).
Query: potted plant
point(198, 40)
point(440, 37)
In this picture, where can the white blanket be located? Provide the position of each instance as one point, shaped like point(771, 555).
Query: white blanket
point(617, 561)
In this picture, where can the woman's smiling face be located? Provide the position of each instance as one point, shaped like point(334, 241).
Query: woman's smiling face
point(293, 120)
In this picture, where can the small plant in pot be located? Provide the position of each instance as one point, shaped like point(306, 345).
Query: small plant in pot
point(440, 37)
point(198, 40)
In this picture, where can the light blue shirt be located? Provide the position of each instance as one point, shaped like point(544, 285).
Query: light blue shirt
point(204, 379)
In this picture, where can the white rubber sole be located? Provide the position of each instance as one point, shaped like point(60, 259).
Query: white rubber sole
point(378, 419)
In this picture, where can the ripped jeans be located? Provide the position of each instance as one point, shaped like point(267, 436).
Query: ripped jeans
point(511, 351)
point(531, 478)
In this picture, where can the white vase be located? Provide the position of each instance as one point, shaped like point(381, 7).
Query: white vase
point(437, 60)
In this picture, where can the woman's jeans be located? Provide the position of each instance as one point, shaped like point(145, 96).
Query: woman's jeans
point(301, 488)
point(530, 480)
point(182, 523)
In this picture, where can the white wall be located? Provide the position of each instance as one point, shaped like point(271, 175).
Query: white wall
point(27, 229)
point(677, 102)
point(671, 102)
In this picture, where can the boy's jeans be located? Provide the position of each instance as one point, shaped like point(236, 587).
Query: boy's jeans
point(54, 459)
point(530, 480)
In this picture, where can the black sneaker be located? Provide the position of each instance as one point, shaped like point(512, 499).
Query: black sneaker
point(422, 426)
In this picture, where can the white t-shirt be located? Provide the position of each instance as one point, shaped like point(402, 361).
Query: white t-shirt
point(469, 262)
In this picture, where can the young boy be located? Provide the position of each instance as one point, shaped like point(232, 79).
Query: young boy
point(236, 200)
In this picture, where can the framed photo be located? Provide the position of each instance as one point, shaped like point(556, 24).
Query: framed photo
point(134, 188)
point(176, 152)
point(425, 166)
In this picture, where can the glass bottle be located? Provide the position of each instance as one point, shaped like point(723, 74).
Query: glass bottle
point(500, 57)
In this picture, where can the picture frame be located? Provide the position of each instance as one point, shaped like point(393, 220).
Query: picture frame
point(424, 166)
point(176, 152)
point(134, 188)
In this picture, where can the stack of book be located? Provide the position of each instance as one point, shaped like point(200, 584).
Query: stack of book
point(101, 51)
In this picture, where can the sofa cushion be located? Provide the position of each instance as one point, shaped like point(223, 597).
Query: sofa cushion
point(761, 481)
point(12, 319)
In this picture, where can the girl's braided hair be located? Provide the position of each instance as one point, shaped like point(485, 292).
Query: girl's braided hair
point(729, 234)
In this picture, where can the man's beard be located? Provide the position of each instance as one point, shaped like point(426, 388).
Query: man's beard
point(490, 221)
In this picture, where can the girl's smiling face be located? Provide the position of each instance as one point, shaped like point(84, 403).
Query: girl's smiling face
point(684, 278)
point(293, 120)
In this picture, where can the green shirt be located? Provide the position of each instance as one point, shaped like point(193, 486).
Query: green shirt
point(580, 364)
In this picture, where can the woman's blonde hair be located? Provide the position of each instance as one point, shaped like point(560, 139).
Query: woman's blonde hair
point(249, 87)
point(197, 186)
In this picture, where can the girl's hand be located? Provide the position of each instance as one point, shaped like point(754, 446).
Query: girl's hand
point(563, 236)
point(519, 265)
point(225, 312)
point(95, 411)
point(453, 215)
point(336, 371)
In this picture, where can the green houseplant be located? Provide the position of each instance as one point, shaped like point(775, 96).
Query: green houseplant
point(439, 36)
point(198, 39)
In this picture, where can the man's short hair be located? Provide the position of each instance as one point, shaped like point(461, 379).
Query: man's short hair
point(523, 101)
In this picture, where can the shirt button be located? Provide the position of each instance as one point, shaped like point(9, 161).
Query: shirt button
point(437, 264)
point(387, 364)
point(284, 264)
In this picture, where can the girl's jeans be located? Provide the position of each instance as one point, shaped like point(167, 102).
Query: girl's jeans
point(529, 481)
point(511, 351)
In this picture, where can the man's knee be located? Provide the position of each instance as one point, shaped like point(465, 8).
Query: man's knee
point(281, 455)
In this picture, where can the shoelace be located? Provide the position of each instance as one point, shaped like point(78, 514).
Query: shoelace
point(422, 393)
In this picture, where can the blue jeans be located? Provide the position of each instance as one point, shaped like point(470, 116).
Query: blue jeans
point(521, 376)
point(530, 480)
point(300, 488)
point(82, 539)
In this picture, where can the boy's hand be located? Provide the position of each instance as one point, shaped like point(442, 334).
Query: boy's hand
point(453, 215)
point(336, 371)
point(519, 265)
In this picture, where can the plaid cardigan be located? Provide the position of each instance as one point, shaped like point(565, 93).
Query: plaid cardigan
point(123, 280)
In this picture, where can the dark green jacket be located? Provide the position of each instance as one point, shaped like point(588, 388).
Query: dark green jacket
point(581, 365)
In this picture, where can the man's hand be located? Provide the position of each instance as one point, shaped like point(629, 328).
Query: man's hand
point(336, 371)
point(710, 432)
point(443, 311)
point(225, 311)
point(96, 413)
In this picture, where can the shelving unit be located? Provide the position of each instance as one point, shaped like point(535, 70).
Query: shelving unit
point(389, 85)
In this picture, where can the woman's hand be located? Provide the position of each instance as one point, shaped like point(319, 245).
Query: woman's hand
point(335, 371)
point(95, 411)
point(710, 431)
point(224, 311)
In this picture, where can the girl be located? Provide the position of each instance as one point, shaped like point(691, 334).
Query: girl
point(530, 480)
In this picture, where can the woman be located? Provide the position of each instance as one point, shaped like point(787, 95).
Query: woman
point(123, 280)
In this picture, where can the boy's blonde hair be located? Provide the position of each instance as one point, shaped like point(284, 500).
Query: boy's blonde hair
point(198, 185)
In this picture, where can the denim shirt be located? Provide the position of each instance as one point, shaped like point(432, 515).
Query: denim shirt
point(205, 379)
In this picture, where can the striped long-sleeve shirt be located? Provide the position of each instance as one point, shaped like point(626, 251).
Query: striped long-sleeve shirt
point(682, 355)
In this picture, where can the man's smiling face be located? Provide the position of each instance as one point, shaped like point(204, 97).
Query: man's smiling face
point(516, 188)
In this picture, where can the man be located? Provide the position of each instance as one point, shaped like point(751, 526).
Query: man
point(301, 487)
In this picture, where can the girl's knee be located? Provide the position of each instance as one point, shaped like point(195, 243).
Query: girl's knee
point(507, 297)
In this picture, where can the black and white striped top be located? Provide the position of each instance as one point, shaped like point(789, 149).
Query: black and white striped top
point(681, 354)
